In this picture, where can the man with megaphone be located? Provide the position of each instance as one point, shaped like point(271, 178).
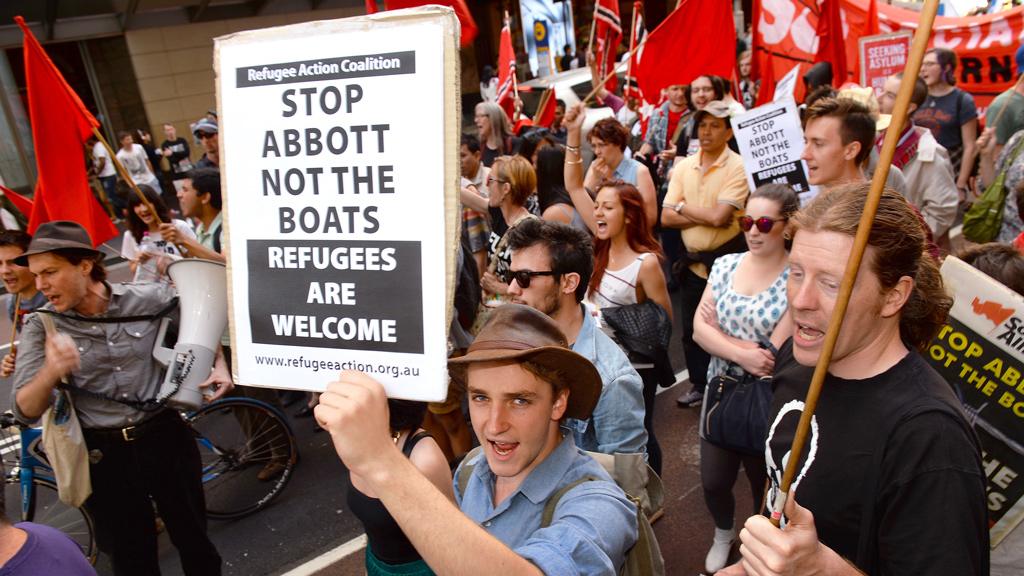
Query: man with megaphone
point(96, 340)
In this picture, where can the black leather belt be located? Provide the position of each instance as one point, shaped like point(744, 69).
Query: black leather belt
point(134, 432)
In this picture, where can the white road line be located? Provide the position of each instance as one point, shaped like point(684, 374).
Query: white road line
point(681, 377)
point(329, 558)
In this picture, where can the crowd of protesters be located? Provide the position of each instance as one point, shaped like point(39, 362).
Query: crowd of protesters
point(573, 244)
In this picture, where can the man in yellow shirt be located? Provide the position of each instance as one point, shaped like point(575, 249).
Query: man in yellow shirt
point(706, 192)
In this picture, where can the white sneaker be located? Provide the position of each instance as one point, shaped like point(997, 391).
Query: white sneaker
point(718, 555)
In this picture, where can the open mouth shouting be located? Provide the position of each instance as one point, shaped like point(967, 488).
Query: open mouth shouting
point(503, 450)
point(807, 336)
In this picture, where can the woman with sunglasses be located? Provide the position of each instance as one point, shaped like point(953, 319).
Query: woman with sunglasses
point(743, 306)
point(510, 184)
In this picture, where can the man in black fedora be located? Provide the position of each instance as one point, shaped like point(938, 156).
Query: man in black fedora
point(522, 380)
point(102, 348)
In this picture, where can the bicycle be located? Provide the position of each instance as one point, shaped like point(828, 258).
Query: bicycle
point(231, 459)
point(29, 480)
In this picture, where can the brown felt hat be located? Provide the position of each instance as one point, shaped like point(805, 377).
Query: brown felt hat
point(57, 235)
point(519, 333)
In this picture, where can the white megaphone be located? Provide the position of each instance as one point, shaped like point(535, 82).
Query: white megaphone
point(202, 300)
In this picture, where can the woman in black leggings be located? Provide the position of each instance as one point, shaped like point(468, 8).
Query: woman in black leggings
point(743, 306)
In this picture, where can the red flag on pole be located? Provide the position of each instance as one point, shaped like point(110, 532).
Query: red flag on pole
point(831, 43)
point(871, 28)
point(506, 72)
point(608, 37)
point(469, 29)
point(638, 36)
point(681, 47)
point(545, 115)
point(60, 127)
point(24, 205)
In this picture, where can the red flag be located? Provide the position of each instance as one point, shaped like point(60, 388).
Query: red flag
point(60, 127)
point(831, 43)
point(545, 115)
point(24, 205)
point(871, 28)
point(680, 48)
point(469, 28)
point(506, 72)
point(637, 38)
point(607, 39)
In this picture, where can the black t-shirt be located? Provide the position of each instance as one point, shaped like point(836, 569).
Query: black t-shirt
point(498, 229)
point(930, 503)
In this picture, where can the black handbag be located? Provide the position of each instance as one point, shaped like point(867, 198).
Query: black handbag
point(644, 330)
point(736, 411)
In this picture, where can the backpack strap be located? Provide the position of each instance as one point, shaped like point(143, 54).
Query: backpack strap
point(549, 507)
point(467, 469)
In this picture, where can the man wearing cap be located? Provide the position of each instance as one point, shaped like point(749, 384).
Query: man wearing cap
point(931, 186)
point(208, 133)
point(551, 268)
point(103, 350)
point(20, 285)
point(705, 193)
point(522, 380)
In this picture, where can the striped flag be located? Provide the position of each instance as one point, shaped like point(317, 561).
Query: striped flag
point(607, 39)
point(506, 95)
point(637, 38)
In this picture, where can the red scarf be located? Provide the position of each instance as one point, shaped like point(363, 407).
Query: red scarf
point(906, 149)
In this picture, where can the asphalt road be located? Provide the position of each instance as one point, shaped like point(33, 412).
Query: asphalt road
point(309, 519)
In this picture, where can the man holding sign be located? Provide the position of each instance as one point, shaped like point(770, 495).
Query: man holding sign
point(523, 381)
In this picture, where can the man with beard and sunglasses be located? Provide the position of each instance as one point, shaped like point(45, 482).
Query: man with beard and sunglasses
point(551, 268)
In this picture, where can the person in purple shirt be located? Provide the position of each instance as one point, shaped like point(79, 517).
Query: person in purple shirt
point(30, 549)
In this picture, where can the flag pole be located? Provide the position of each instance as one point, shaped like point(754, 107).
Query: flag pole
point(632, 44)
point(860, 242)
point(14, 325)
point(612, 73)
point(131, 184)
point(517, 104)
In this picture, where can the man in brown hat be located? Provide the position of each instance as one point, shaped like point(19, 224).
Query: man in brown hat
point(136, 455)
point(522, 380)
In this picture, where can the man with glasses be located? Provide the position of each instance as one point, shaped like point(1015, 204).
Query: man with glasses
point(551, 267)
point(207, 132)
point(704, 194)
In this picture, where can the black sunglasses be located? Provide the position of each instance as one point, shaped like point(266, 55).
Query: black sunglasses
point(523, 277)
point(764, 223)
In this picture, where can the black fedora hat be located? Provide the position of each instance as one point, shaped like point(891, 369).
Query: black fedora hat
point(57, 235)
point(517, 332)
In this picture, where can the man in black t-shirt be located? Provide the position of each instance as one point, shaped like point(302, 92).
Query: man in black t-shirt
point(178, 154)
point(890, 480)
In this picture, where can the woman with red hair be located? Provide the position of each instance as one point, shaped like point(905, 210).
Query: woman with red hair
point(626, 266)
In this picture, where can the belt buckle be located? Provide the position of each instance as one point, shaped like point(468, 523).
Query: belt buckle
point(125, 434)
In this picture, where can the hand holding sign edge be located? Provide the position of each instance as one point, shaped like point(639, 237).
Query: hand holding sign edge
point(354, 410)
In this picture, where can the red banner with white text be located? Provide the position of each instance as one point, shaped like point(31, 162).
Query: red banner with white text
point(784, 36)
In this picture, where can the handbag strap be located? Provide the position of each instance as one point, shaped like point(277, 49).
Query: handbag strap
point(114, 319)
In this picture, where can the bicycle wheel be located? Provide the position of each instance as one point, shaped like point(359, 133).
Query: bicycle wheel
point(49, 510)
point(248, 454)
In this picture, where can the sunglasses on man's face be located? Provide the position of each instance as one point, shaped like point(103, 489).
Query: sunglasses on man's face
point(764, 223)
point(523, 277)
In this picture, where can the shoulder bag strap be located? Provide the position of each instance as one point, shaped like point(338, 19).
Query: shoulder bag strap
point(552, 503)
point(115, 319)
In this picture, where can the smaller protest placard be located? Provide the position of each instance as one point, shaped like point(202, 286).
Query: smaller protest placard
point(882, 56)
point(786, 87)
point(981, 352)
point(771, 141)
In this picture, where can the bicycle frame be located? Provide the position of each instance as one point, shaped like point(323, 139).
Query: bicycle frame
point(32, 464)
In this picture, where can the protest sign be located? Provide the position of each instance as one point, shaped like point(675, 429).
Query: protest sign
point(339, 167)
point(882, 56)
point(981, 352)
point(786, 88)
point(771, 141)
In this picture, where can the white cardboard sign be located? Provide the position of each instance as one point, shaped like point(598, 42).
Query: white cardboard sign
point(771, 141)
point(337, 166)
